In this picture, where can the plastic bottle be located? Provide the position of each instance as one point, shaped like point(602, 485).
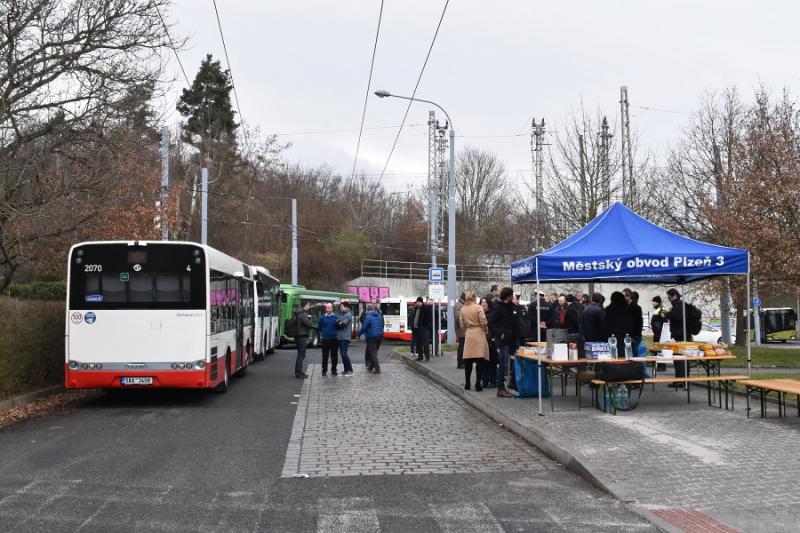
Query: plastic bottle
point(612, 342)
point(622, 397)
point(628, 347)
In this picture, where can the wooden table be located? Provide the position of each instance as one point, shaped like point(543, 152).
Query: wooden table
point(765, 386)
point(711, 364)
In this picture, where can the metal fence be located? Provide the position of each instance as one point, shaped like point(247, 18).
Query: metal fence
point(380, 268)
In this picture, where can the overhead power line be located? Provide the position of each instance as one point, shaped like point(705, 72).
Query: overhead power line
point(661, 110)
point(316, 132)
point(172, 45)
point(416, 86)
point(366, 95)
point(230, 72)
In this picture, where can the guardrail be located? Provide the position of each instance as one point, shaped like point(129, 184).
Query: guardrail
point(380, 268)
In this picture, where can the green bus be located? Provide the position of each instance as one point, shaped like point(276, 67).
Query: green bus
point(293, 296)
point(777, 324)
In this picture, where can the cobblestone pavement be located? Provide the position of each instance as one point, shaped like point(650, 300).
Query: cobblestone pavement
point(396, 423)
point(670, 455)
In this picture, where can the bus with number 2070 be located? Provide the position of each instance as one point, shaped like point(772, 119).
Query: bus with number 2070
point(152, 314)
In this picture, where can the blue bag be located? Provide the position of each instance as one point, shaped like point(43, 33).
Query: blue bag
point(526, 373)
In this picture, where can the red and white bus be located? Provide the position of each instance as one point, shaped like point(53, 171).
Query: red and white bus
point(396, 318)
point(267, 312)
point(157, 314)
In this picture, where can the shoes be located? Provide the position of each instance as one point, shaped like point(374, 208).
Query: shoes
point(504, 394)
point(300, 375)
point(460, 367)
point(466, 386)
point(348, 373)
point(334, 373)
point(419, 358)
point(478, 387)
point(375, 371)
point(324, 373)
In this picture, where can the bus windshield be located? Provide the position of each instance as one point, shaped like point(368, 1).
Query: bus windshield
point(118, 276)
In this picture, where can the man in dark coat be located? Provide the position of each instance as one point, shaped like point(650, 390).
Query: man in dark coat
point(675, 317)
point(420, 326)
point(638, 321)
point(593, 327)
point(657, 320)
point(574, 311)
point(618, 320)
point(545, 310)
point(504, 326)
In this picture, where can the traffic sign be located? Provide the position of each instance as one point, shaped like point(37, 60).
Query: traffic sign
point(757, 301)
point(436, 291)
point(436, 274)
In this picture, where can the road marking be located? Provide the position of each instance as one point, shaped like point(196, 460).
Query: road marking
point(350, 515)
point(660, 434)
point(465, 518)
point(291, 464)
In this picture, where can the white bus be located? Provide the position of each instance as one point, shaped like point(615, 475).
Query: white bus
point(396, 321)
point(146, 314)
point(267, 312)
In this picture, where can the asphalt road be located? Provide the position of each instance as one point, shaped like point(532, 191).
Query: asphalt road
point(189, 461)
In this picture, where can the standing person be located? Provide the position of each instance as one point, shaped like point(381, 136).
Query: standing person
point(657, 320)
point(435, 327)
point(618, 320)
point(372, 330)
point(330, 340)
point(304, 324)
point(574, 311)
point(505, 328)
point(559, 317)
point(638, 321)
point(675, 317)
point(542, 310)
point(419, 327)
point(495, 292)
point(489, 377)
point(473, 321)
point(593, 327)
point(344, 326)
point(459, 331)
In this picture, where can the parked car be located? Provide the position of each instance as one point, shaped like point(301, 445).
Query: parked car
point(711, 334)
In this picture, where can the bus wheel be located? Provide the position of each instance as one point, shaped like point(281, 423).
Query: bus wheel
point(222, 388)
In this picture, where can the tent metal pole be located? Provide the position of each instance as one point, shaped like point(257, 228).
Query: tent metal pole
point(539, 336)
point(685, 338)
point(747, 317)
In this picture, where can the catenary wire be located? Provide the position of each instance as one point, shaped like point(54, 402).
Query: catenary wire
point(172, 44)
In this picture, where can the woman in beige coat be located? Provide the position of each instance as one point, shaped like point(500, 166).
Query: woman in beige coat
point(476, 350)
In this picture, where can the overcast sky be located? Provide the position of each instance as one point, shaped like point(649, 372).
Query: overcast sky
point(302, 66)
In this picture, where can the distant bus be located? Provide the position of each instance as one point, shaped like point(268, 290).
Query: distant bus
point(777, 324)
point(151, 314)
point(293, 296)
point(267, 310)
point(396, 320)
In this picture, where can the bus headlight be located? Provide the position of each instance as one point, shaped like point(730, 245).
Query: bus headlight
point(99, 366)
point(174, 366)
point(200, 364)
point(91, 366)
point(73, 365)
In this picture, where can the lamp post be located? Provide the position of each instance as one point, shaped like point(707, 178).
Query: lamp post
point(451, 217)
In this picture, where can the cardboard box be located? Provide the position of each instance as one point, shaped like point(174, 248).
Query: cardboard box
point(560, 352)
point(597, 350)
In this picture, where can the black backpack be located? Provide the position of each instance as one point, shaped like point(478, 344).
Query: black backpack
point(694, 319)
point(290, 328)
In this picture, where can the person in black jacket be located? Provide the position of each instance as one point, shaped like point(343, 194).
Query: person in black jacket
point(638, 321)
point(593, 328)
point(545, 311)
point(574, 311)
point(657, 320)
point(675, 317)
point(420, 323)
point(504, 327)
point(619, 321)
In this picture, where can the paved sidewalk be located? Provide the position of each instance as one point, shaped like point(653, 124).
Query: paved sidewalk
point(668, 456)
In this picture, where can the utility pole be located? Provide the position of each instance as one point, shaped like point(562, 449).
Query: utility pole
point(164, 182)
point(537, 154)
point(433, 169)
point(628, 181)
point(441, 182)
point(204, 207)
point(294, 241)
point(605, 167)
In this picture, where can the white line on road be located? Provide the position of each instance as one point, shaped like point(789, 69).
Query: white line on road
point(465, 518)
point(347, 515)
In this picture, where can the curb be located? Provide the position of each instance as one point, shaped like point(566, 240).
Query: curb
point(30, 397)
point(573, 461)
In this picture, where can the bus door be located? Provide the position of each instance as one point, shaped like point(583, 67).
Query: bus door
point(240, 322)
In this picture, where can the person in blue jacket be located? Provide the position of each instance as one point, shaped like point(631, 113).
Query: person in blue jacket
point(372, 330)
point(345, 330)
point(330, 339)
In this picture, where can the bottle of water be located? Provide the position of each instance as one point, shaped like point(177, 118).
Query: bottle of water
point(622, 397)
point(612, 342)
point(628, 347)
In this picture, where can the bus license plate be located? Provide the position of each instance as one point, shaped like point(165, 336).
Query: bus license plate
point(136, 380)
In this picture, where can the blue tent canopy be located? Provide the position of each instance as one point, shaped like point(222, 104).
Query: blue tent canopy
point(619, 245)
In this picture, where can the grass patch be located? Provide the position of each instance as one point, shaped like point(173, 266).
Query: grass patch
point(402, 349)
point(765, 357)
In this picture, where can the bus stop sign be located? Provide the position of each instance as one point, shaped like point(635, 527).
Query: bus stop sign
point(436, 274)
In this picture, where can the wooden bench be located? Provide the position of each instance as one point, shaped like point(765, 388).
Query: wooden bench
point(765, 386)
point(725, 383)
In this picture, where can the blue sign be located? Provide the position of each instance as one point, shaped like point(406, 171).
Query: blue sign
point(93, 298)
point(89, 317)
point(435, 274)
point(757, 301)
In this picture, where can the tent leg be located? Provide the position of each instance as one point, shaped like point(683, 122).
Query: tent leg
point(539, 336)
point(747, 318)
point(685, 338)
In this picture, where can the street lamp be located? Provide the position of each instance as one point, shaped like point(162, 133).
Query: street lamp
point(451, 217)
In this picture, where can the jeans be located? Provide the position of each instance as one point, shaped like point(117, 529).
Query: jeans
point(460, 352)
point(302, 344)
point(421, 343)
point(373, 344)
point(343, 347)
point(330, 348)
point(502, 364)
